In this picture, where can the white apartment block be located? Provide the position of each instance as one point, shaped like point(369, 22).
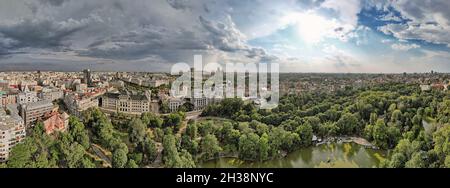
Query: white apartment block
point(27, 97)
point(12, 132)
point(51, 94)
point(77, 104)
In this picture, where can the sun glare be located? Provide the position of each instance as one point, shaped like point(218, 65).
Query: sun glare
point(310, 27)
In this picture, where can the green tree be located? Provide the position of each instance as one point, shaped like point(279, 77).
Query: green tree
point(249, 145)
point(447, 162)
point(192, 130)
point(186, 160)
point(305, 132)
point(379, 134)
point(164, 107)
point(78, 132)
point(347, 124)
point(189, 144)
point(137, 131)
point(373, 118)
point(210, 147)
point(151, 120)
point(441, 139)
point(74, 155)
point(87, 163)
point(42, 161)
point(264, 147)
point(171, 157)
point(173, 120)
point(328, 129)
point(21, 154)
point(418, 160)
point(159, 134)
point(151, 151)
point(119, 158)
point(131, 164)
point(397, 161)
point(397, 117)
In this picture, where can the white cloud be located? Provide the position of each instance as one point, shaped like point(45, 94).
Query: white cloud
point(428, 21)
point(384, 41)
point(348, 10)
point(390, 17)
point(404, 47)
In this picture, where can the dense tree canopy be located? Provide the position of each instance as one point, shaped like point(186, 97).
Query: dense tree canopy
point(385, 114)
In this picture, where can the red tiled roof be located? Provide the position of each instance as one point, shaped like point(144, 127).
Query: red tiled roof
point(55, 122)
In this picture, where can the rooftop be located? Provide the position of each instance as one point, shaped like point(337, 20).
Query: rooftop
point(7, 122)
point(132, 96)
point(39, 104)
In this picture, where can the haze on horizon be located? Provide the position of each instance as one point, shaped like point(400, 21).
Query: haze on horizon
point(344, 36)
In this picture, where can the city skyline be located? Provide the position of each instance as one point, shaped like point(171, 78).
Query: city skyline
point(301, 35)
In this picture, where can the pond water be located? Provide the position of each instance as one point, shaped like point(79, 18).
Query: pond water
point(334, 155)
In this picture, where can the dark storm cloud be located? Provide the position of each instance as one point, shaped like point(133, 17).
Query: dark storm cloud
point(38, 33)
point(54, 2)
point(130, 30)
point(178, 4)
point(145, 41)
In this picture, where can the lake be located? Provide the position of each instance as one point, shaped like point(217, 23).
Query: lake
point(334, 155)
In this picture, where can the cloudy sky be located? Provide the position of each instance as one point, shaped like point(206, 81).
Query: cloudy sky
point(151, 35)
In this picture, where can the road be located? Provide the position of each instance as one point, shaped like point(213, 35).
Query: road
point(100, 154)
point(193, 115)
point(189, 116)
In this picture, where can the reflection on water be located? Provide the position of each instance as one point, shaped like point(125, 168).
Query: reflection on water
point(346, 155)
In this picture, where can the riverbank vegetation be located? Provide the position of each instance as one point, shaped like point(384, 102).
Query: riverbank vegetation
point(388, 115)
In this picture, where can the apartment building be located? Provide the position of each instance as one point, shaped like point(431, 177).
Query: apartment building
point(27, 96)
point(77, 103)
point(51, 94)
point(7, 98)
point(32, 112)
point(12, 132)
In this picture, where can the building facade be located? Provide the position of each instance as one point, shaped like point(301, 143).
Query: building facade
point(27, 97)
point(8, 98)
point(51, 94)
point(200, 103)
point(76, 104)
point(87, 77)
point(56, 122)
point(156, 83)
point(32, 112)
point(129, 103)
point(175, 103)
point(12, 132)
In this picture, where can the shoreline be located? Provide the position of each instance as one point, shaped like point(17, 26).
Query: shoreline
point(348, 139)
point(329, 140)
